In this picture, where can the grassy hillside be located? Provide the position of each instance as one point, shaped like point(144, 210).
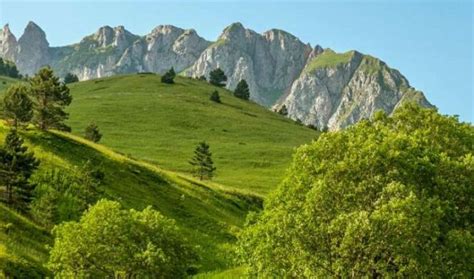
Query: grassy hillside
point(162, 123)
point(6, 81)
point(209, 215)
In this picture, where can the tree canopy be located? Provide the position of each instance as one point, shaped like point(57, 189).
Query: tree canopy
point(17, 104)
point(217, 77)
point(169, 76)
point(391, 197)
point(50, 97)
point(113, 242)
point(203, 166)
point(70, 78)
point(242, 90)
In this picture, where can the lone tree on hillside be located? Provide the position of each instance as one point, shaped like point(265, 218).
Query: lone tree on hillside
point(16, 167)
point(70, 78)
point(169, 76)
point(202, 162)
point(215, 97)
point(242, 90)
point(283, 110)
point(92, 133)
point(50, 97)
point(17, 105)
point(217, 77)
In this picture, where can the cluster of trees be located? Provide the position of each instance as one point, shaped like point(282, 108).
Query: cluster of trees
point(8, 69)
point(169, 76)
point(41, 102)
point(391, 197)
point(70, 78)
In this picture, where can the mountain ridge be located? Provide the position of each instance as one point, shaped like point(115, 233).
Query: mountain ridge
point(279, 68)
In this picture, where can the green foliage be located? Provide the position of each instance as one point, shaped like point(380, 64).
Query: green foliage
point(253, 150)
point(50, 98)
point(109, 241)
point(64, 195)
point(328, 59)
point(169, 76)
point(283, 110)
point(202, 162)
point(242, 90)
point(17, 105)
point(70, 78)
point(8, 68)
point(215, 97)
point(390, 197)
point(16, 167)
point(217, 77)
point(92, 133)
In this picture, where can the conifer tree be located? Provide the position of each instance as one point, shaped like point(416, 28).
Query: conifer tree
point(70, 78)
point(92, 133)
point(169, 76)
point(202, 162)
point(215, 97)
point(17, 105)
point(50, 97)
point(283, 110)
point(16, 167)
point(242, 90)
point(217, 77)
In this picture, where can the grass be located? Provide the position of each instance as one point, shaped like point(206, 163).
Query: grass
point(209, 215)
point(5, 82)
point(328, 59)
point(161, 124)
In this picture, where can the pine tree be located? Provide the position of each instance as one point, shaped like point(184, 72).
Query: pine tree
point(169, 76)
point(215, 97)
point(242, 90)
point(283, 110)
point(92, 133)
point(17, 105)
point(50, 97)
point(217, 77)
point(16, 167)
point(70, 78)
point(202, 162)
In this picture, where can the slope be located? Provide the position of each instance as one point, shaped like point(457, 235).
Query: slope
point(162, 123)
point(209, 215)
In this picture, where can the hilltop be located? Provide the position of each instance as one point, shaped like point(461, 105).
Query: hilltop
point(161, 123)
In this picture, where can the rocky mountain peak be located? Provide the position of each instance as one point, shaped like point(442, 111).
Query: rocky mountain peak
point(166, 29)
point(33, 49)
point(104, 36)
point(8, 43)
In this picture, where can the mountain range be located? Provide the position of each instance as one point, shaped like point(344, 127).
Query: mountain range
point(314, 85)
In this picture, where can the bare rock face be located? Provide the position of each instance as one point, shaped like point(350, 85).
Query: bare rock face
point(33, 50)
point(316, 86)
point(269, 62)
point(8, 44)
point(336, 90)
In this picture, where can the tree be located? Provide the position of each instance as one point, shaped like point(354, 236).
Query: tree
point(215, 97)
point(92, 133)
point(283, 110)
point(64, 195)
point(242, 90)
point(70, 78)
point(202, 162)
point(9, 69)
point(169, 76)
point(390, 197)
point(16, 167)
point(202, 78)
point(17, 104)
point(111, 242)
point(50, 97)
point(217, 77)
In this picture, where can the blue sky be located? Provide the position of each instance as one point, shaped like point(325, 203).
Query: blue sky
point(430, 42)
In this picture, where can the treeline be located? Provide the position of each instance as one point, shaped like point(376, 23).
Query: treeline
point(8, 68)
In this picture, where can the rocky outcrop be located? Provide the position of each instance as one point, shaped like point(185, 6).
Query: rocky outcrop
point(316, 86)
point(32, 50)
point(269, 62)
point(8, 44)
point(336, 90)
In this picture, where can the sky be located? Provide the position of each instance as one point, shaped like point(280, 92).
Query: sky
point(429, 42)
